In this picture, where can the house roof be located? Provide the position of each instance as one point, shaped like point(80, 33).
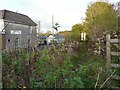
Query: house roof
point(16, 17)
point(50, 37)
point(59, 36)
point(43, 37)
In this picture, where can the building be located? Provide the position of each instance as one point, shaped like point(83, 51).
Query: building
point(43, 40)
point(59, 38)
point(16, 30)
point(50, 39)
point(118, 7)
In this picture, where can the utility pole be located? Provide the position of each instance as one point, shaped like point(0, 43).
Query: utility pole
point(53, 28)
point(53, 25)
point(38, 33)
point(39, 27)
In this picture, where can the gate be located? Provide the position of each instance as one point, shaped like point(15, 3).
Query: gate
point(113, 61)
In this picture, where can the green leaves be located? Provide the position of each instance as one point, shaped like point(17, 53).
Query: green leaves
point(76, 31)
point(73, 82)
point(55, 68)
point(100, 16)
point(77, 28)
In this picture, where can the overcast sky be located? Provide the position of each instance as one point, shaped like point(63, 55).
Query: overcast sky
point(66, 12)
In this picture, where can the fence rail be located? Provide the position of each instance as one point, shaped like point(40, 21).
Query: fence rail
point(109, 54)
point(115, 65)
point(115, 53)
point(114, 41)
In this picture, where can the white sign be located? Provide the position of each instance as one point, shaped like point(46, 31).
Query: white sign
point(16, 32)
point(83, 36)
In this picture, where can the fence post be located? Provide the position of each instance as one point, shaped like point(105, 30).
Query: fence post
point(108, 57)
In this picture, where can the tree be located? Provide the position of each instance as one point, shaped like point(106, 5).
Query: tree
point(77, 28)
point(67, 35)
point(100, 17)
point(118, 23)
point(76, 31)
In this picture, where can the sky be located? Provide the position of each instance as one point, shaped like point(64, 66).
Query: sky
point(66, 12)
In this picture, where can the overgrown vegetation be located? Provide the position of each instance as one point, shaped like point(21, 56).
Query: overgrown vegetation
point(64, 66)
point(73, 64)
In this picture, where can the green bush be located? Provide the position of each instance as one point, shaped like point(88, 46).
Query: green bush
point(55, 67)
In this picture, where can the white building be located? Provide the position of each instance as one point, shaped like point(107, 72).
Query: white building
point(50, 39)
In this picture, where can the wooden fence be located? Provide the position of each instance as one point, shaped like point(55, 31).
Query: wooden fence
point(110, 65)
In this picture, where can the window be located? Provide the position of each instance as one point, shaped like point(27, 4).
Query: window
point(16, 42)
point(30, 30)
point(8, 40)
point(29, 42)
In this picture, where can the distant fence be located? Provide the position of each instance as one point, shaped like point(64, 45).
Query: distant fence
point(109, 54)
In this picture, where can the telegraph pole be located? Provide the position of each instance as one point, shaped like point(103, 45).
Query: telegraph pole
point(53, 28)
point(53, 25)
point(39, 27)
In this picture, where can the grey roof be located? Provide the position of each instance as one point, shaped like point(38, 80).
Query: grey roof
point(59, 36)
point(16, 17)
point(43, 37)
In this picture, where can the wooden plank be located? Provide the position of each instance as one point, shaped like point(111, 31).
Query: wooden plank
point(116, 77)
point(108, 57)
point(115, 53)
point(117, 46)
point(114, 41)
point(0, 66)
point(115, 88)
point(115, 65)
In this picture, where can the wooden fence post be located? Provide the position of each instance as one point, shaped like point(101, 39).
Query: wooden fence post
point(108, 57)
